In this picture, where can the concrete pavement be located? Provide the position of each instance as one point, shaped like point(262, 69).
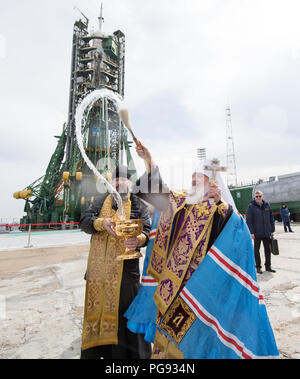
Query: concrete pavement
point(41, 306)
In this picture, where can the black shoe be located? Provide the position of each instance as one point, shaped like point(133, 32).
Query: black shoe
point(259, 271)
point(291, 231)
point(270, 270)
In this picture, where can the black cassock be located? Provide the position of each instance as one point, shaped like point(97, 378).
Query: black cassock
point(130, 345)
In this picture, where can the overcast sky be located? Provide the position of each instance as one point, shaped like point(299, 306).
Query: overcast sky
point(186, 61)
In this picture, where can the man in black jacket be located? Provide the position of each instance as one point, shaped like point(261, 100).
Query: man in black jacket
point(261, 224)
point(111, 285)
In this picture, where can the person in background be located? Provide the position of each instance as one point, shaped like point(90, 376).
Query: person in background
point(260, 221)
point(285, 215)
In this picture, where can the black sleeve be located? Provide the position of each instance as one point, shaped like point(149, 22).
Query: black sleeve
point(272, 222)
point(249, 219)
point(151, 188)
point(218, 225)
point(88, 217)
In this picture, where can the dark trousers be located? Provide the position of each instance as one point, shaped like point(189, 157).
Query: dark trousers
point(287, 226)
point(266, 242)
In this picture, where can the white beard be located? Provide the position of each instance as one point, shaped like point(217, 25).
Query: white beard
point(195, 195)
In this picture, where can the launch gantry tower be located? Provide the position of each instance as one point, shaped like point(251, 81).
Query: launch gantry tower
point(231, 164)
point(69, 186)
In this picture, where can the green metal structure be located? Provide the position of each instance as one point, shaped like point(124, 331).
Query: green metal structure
point(69, 186)
point(284, 190)
point(242, 197)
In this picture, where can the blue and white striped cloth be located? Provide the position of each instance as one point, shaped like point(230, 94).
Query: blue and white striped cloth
point(231, 317)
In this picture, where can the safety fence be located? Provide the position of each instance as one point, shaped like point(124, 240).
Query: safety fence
point(39, 224)
point(11, 227)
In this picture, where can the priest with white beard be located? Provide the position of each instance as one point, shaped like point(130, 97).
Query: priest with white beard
point(199, 296)
point(204, 208)
point(190, 222)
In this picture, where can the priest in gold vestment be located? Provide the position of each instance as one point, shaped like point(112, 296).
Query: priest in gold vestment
point(111, 284)
point(189, 223)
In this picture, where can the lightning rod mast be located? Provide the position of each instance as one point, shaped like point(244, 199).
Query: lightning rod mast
point(231, 165)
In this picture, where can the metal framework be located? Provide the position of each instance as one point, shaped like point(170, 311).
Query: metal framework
point(231, 165)
point(201, 154)
point(68, 186)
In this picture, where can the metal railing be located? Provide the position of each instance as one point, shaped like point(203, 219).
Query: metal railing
point(9, 227)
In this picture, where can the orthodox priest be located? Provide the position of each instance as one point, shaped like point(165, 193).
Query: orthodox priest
point(199, 296)
point(111, 284)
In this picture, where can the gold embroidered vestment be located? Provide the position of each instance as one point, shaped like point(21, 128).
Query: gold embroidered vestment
point(103, 282)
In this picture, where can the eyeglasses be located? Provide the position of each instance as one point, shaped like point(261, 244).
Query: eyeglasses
point(258, 196)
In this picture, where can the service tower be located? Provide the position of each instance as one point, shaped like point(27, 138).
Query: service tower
point(69, 186)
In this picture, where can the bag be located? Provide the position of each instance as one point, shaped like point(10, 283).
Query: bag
point(274, 246)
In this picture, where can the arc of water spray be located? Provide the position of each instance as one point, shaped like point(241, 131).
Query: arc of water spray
point(84, 108)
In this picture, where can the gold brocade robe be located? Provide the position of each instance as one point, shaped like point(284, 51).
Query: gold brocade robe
point(175, 256)
point(103, 281)
point(172, 257)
